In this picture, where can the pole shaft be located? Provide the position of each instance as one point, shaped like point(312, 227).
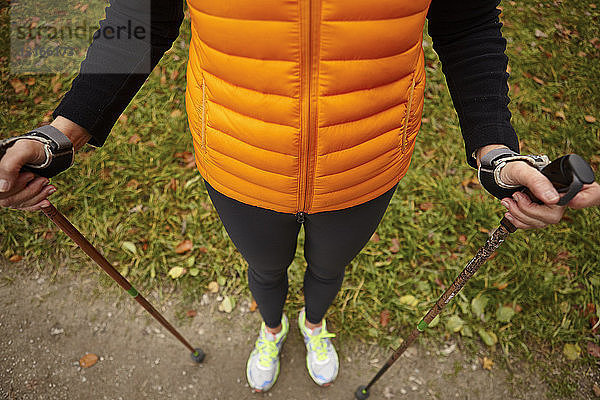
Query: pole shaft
point(494, 241)
point(63, 223)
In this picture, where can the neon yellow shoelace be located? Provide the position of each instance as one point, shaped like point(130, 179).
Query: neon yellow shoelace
point(319, 345)
point(267, 351)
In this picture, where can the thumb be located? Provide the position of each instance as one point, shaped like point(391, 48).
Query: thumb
point(523, 174)
point(13, 160)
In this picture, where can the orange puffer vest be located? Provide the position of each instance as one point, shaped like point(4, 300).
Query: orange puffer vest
point(305, 105)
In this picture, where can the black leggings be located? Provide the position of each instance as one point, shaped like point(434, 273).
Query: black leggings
point(267, 240)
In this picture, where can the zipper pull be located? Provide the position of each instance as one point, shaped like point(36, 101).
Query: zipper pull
point(300, 217)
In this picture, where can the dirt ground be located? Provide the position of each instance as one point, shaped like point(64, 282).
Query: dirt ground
point(47, 323)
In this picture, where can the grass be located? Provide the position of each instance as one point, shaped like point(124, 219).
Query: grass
point(137, 189)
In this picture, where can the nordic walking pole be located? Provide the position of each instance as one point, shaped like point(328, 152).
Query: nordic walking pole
point(63, 223)
point(567, 174)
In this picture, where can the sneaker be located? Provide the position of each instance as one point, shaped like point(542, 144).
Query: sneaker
point(262, 368)
point(321, 358)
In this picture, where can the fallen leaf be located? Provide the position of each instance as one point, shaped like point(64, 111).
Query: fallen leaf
point(123, 118)
point(88, 360)
point(395, 247)
point(504, 314)
point(202, 249)
point(590, 119)
point(15, 258)
point(184, 246)
point(175, 113)
point(478, 305)
point(174, 74)
point(134, 139)
point(253, 306)
point(375, 237)
point(596, 389)
point(538, 80)
point(57, 86)
point(540, 34)
point(462, 239)
point(30, 81)
point(454, 323)
point(501, 286)
point(213, 287)
point(48, 235)
point(129, 246)
point(185, 156)
point(37, 100)
point(426, 206)
point(546, 109)
point(571, 351)
point(486, 363)
point(133, 184)
point(191, 313)
point(384, 318)
point(17, 85)
point(176, 272)
point(194, 271)
point(593, 349)
point(561, 115)
point(227, 305)
point(488, 337)
point(484, 230)
point(409, 300)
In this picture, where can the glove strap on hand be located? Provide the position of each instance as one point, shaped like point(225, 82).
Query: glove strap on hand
point(492, 163)
point(57, 146)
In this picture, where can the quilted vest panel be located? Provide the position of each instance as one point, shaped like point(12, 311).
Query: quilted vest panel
point(305, 105)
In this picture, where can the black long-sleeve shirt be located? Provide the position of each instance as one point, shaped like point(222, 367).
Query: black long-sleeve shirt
point(466, 35)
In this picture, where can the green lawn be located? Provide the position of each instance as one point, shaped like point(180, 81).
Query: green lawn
point(138, 189)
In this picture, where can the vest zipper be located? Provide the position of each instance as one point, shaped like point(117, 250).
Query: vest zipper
point(306, 126)
point(203, 128)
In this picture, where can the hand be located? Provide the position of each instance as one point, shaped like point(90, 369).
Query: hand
point(588, 197)
point(522, 212)
point(22, 190)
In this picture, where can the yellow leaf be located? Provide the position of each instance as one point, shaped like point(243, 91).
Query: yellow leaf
point(213, 287)
point(572, 351)
point(486, 363)
point(590, 119)
point(176, 272)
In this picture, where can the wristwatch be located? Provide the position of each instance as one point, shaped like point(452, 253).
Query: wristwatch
point(57, 147)
point(491, 166)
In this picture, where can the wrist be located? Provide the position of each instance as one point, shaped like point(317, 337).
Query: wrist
point(482, 151)
point(77, 134)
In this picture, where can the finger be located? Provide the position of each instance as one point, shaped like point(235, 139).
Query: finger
point(22, 181)
point(517, 224)
point(12, 162)
point(31, 190)
point(46, 191)
point(519, 215)
point(37, 207)
point(547, 214)
point(534, 180)
point(588, 197)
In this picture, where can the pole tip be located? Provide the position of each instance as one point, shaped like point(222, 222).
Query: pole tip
point(198, 355)
point(362, 393)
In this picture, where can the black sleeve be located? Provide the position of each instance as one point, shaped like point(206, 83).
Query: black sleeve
point(466, 35)
point(114, 70)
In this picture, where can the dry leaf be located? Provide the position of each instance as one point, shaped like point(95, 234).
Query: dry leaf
point(30, 81)
point(253, 306)
point(486, 363)
point(593, 349)
point(546, 109)
point(384, 318)
point(56, 87)
point(175, 113)
point(123, 118)
point(540, 34)
point(590, 119)
point(174, 74)
point(375, 237)
point(213, 287)
point(596, 388)
point(462, 239)
point(426, 206)
point(395, 247)
point(538, 80)
point(191, 313)
point(176, 272)
point(88, 360)
point(184, 247)
point(560, 114)
point(134, 139)
point(17, 85)
point(501, 286)
point(15, 258)
point(37, 100)
point(203, 249)
point(484, 230)
point(185, 156)
point(132, 184)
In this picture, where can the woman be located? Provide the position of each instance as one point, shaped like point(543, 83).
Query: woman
point(302, 113)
